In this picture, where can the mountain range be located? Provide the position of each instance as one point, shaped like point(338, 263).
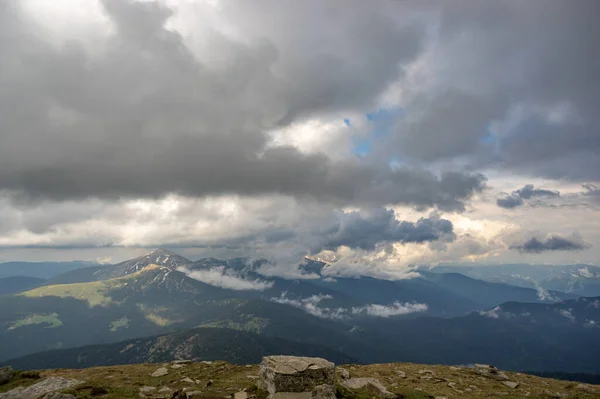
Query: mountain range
point(439, 316)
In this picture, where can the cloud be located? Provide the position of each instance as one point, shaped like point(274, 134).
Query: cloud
point(310, 305)
point(517, 197)
point(567, 313)
point(394, 309)
point(551, 243)
point(142, 114)
point(225, 278)
point(365, 229)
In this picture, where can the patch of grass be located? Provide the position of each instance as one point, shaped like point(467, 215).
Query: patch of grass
point(51, 319)
point(121, 323)
point(93, 293)
point(153, 314)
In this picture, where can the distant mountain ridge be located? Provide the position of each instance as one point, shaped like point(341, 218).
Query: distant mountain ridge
point(364, 318)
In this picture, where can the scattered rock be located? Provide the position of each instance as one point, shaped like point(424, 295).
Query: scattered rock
point(371, 384)
point(209, 383)
point(424, 371)
point(177, 366)
point(46, 386)
point(323, 392)
point(489, 371)
point(165, 389)
point(160, 372)
point(294, 373)
point(454, 368)
point(188, 380)
point(147, 390)
point(511, 384)
point(345, 374)
point(197, 381)
point(58, 395)
point(179, 394)
point(181, 361)
point(194, 394)
point(400, 374)
point(207, 362)
point(240, 395)
point(6, 375)
point(585, 387)
point(292, 395)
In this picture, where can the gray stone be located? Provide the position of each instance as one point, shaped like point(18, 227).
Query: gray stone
point(291, 395)
point(323, 392)
point(345, 374)
point(371, 384)
point(46, 386)
point(188, 380)
point(177, 366)
point(294, 373)
point(511, 384)
point(58, 395)
point(6, 375)
point(160, 372)
point(585, 387)
point(181, 361)
point(490, 372)
point(240, 395)
point(147, 390)
point(400, 373)
point(194, 394)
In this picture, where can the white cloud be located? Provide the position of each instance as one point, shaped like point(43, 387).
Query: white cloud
point(591, 323)
point(220, 277)
point(395, 309)
point(545, 295)
point(310, 305)
point(492, 313)
point(567, 313)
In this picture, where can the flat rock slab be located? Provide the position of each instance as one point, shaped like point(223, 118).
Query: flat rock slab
point(160, 372)
point(295, 373)
point(48, 385)
point(371, 384)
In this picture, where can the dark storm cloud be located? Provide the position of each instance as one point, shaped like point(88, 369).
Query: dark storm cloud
point(515, 199)
point(142, 116)
point(513, 85)
point(552, 243)
point(364, 230)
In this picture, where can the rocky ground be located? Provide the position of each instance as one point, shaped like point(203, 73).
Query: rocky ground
point(211, 380)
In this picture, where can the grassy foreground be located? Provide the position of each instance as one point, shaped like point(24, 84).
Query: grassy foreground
point(220, 379)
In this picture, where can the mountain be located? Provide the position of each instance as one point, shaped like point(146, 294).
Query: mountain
point(367, 319)
point(11, 285)
point(44, 270)
point(516, 336)
point(580, 280)
point(160, 257)
point(238, 347)
point(154, 300)
point(490, 294)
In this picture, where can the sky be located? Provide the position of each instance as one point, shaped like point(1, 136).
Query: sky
point(376, 135)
